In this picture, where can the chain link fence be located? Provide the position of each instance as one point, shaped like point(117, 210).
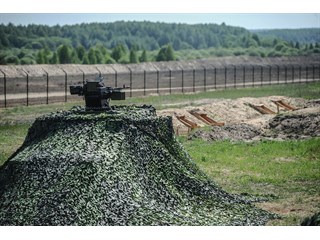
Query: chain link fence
point(45, 84)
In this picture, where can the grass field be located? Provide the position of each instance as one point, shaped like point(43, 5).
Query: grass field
point(287, 170)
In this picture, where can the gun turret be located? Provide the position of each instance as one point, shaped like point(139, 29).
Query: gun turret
point(96, 95)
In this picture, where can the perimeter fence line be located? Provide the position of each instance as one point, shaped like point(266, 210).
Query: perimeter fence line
point(28, 88)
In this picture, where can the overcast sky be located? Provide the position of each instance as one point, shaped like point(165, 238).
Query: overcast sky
point(250, 14)
point(246, 20)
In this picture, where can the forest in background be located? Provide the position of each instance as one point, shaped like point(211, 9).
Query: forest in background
point(303, 35)
point(133, 42)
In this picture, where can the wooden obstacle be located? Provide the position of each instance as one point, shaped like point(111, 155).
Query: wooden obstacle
point(207, 120)
point(261, 109)
point(281, 103)
point(191, 125)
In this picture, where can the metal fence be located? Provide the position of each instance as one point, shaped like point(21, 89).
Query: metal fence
point(26, 88)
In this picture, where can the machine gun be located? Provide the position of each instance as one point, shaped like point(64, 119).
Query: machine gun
point(96, 95)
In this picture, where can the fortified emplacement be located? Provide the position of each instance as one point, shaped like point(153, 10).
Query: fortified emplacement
point(121, 165)
point(97, 96)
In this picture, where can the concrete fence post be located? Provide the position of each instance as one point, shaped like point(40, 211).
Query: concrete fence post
point(144, 82)
point(4, 88)
point(27, 86)
point(47, 87)
point(194, 80)
point(225, 77)
point(205, 79)
point(252, 76)
point(244, 76)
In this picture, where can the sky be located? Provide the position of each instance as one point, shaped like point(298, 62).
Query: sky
point(250, 14)
point(246, 20)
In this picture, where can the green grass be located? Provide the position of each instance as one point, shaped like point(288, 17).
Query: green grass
point(11, 138)
point(288, 170)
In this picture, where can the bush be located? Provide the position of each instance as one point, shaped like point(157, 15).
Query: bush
point(27, 61)
point(12, 60)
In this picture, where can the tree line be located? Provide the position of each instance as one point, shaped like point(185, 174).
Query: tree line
point(303, 35)
point(133, 42)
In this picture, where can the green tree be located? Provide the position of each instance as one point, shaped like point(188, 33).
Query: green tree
point(40, 57)
point(143, 57)
point(256, 38)
point(118, 52)
point(12, 60)
point(170, 54)
point(74, 57)
point(64, 54)
point(99, 56)
point(133, 56)
point(81, 51)
point(92, 56)
point(54, 59)
point(165, 54)
point(85, 59)
point(4, 39)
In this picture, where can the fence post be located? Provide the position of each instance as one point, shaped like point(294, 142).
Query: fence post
point(65, 84)
point(205, 79)
point(27, 86)
point(313, 72)
point(182, 80)
point(144, 82)
point(158, 78)
point(285, 74)
point(300, 74)
point(47, 85)
point(194, 80)
point(293, 73)
point(235, 76)
point(244, 76)
point(215, 78)
point(170, 81)
point(261, 76)
point(306, 73)
point(225, 77)
point(83, 76)
point(278, 74)
point(270, 72)
point(130, 76)
point(252, 76)
point(4, 88)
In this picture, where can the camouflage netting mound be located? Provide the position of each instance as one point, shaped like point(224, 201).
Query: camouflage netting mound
point(122, 167)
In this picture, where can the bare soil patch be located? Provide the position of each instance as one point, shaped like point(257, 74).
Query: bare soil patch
point(243, 122)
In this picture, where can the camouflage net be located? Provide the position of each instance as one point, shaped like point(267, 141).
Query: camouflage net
point(122, 167)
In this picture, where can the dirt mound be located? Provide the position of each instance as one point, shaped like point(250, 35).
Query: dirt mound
point(244, 123)
point(122, 167)
point(234, 132)
point(229, 111)
point(300, 124)
point(295, 125)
